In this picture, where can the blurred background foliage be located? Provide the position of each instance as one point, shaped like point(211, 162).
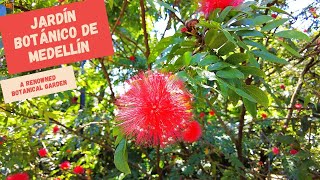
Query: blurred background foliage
point(251, 65)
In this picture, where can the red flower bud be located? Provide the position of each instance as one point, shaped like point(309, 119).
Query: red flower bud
point(275, 150)
point(298, 106)
point(55, 129)
point(184, 30)
point(78, 170)
point(264, 115)
point(65, 165)
point(132, 58)
point(42, 152)
point(212, 113)
point(293, 151)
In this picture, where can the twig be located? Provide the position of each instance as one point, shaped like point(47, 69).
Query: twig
point(297, 90)
point(91, 123)
point(224, 126)
point(240, 133)
point(106, 74)
point(145, 32)
point(107, 147)
point(159, 170)
point(130, 40)
point(124, 6)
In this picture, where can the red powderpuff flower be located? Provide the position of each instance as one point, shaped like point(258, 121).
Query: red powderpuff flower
point(78, 170)
point(193, 132)
point(19, 176)
point(293, 151)
point(42, 152)
point(65, 165)
point(207, 6)
point(55, 129)
point(275, 150)
point(155, 109)
point(264, 115)
point(184, 29)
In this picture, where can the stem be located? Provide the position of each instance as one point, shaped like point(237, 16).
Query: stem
point(297, 90)
point(240, 133)
point(106, 74)
point(159, 170)
point(145, 32)
point(124, 6)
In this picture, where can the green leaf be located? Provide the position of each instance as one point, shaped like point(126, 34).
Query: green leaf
point(226, 49)
point(273, 24)
point(290, 49)
point(275, 9)
point(262, 19)
point(211, 25)
point(161, 46)
point(251, 107)
point(187, 56)
point(259, 95)
point(285, 139)
point(165, 5)
point(218, 66)
point(237, 58)
point(305, 124)
point(240, 92)
point(210, 59)
point(215, 39)
point(247, 70)
point(121, 158)
point(254, 33)
point(229, 37)
point(110, 3)
point(224, 13)
point(269, 57)
point(293, 34)
point(255, 44)
point(230, 73)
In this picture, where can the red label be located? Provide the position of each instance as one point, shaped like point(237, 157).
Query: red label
point(57, 35)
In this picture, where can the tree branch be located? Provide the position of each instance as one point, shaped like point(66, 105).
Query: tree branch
point(106, 74)
point(297, 90)
point(124, 6)
point(145, 32)
point(224, 126)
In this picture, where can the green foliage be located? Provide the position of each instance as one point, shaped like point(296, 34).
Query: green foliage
point(234, 62)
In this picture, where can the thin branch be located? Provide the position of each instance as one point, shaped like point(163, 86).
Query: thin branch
point(224, 126)
point(145, 32)
point(124, 6)
point(297, 90)
point(159, 170)
point(130, 40)
point(78, 133)
point(240, 133)
point(91, 123)
point(106, 75)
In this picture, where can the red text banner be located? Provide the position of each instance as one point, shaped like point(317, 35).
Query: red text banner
point(57, 35)
point(38, 84)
